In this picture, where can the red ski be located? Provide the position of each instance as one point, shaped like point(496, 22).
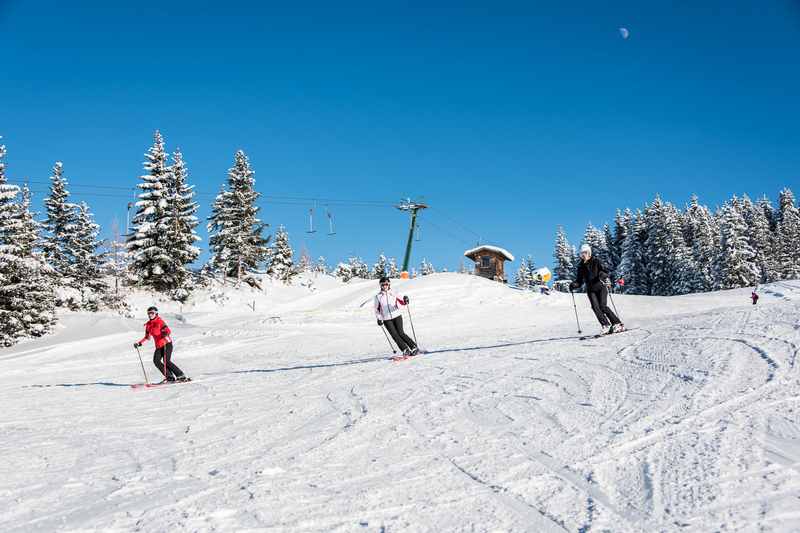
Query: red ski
point(161, 384)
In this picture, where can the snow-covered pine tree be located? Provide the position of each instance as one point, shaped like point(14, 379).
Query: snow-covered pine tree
point(304, 264)
point(343, 271)
point(27, 300)
point(281, 265)
point(179, 222)
point(669, 260)
point(633, 267)
point(30, 230)
point(771, 264)
point(522, 279)
point(759, 237)
point(735, 265)
point(788, 263)
point(392, 270)
point(597, 240)
point(321, 267)
point(426, 268)
point(87, 273)
point(60, 226)
point(700, 232)
point(236, 232)
point(116, 257)
point(621, 224)
point(564, 257)
point(150, 259)
point(380, 268)
point(358, 268)
point(611, 250)
point(785, 201)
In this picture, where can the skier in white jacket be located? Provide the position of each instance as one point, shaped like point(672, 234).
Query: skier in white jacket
point(387, 311)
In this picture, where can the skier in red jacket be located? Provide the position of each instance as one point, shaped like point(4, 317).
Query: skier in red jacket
point(156, 328)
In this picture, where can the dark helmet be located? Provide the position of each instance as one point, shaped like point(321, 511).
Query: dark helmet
point(152, 308)
point(383, 280)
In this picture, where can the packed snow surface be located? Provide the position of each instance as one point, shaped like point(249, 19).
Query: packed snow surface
point(296, 420)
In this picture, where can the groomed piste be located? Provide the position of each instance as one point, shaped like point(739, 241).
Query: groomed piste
point(296, 420)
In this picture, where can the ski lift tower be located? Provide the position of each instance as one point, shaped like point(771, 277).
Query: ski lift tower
point(413, 208)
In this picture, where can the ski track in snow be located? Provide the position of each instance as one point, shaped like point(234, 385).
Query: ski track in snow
point(297, 421)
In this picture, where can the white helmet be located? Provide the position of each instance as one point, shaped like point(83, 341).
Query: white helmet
point(586, 249)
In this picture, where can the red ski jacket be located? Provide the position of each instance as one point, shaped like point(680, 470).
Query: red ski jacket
point(157, 329)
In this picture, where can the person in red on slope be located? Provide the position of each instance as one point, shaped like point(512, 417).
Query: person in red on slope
point(162, 357)
point(754, 296)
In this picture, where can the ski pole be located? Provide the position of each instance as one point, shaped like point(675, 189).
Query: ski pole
point(146, 380)
point(576, 312)
point(408, 308)
point(615, 307)
point(387, 339)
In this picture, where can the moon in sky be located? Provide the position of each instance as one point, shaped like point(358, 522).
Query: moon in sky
point(624, 32)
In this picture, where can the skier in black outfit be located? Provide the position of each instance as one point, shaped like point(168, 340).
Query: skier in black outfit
point(592, 272)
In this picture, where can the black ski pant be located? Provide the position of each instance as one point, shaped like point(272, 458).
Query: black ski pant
point(599, 300)
point(395, 327)
point(171, 368)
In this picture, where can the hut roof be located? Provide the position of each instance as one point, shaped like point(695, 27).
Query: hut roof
point(505, 253)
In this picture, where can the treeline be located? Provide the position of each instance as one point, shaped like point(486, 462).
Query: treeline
point(662, 250)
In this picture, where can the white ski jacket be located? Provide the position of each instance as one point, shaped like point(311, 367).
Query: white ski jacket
point(387, 305)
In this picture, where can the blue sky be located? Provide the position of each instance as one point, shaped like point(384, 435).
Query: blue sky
point(508, 118)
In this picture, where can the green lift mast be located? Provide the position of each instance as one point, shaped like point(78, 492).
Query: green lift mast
point(414, 208)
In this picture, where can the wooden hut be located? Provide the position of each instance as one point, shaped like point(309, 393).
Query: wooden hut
point(489, 261)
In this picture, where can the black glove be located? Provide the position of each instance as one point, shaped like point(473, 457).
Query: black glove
point(574, 285)
point(164, 330)
point(380, 322)
point(405, 300)
point(137, 344)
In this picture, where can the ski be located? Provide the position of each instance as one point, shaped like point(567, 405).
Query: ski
point(161, 384)
point(398, 358)
point(601, 335)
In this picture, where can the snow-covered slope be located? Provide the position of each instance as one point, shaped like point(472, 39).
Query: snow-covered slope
point(297, 422)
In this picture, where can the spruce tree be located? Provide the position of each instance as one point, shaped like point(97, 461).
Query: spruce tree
point(788, 263)
point(30, 230)
point(597, 240)
point(380, 268)
point(669, 260)
point(88, 272)
point(358, 268)
point(735, 265)
point(150, 259)
point(237, 239)
point(759, 237)
point(281, 266)
point(321, 267)
point(427, 268)
point(392, 270)
point(60, 227)
point(27, 300)
point(633, 267)
point(179, 229)
point(564, 257)
point(700, 232)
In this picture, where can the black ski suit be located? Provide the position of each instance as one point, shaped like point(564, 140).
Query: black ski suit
point(594, 275)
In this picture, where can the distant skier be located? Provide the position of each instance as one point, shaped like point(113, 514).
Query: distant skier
point(156, 328)
point(754, 296)
point(592, 272)
point(387, 311)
